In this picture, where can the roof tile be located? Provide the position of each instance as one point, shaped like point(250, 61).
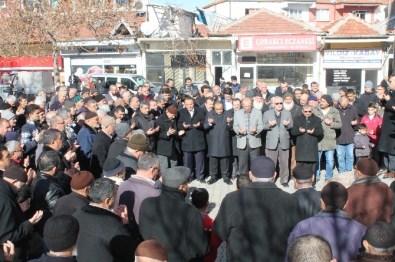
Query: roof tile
point(264, 21)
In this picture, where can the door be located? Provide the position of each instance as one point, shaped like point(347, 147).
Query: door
point(218, 74)
point(247, 76)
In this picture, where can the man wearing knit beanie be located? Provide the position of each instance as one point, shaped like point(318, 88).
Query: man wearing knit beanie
point(60, 236)
point(136, 147)
point(379, 243)
point(331, 122)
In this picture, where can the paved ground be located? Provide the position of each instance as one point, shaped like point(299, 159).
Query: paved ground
point(219, 190)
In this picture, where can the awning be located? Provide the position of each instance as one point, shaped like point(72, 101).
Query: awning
point(29, 63)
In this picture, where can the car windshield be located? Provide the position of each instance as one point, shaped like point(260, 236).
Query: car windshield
point(140, 80)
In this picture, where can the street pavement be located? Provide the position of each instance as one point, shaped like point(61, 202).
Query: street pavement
point(219, 190)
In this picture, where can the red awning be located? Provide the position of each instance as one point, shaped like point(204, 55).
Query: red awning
point(30, 63)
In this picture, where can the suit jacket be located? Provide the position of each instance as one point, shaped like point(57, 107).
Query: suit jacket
point(240, 122)
point(193, 140)
point(278, 134)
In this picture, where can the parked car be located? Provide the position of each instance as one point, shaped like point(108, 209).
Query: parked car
point(132, 81)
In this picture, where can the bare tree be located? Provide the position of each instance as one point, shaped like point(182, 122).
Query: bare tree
point(36, 27)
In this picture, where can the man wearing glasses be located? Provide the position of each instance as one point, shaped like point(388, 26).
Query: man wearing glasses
point(278, 122)
point(308, 132)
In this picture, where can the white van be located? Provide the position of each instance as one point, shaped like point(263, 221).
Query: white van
point(132, 81)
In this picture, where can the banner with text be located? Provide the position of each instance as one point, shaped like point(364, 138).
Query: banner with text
point(277, 43)
point(362, 59)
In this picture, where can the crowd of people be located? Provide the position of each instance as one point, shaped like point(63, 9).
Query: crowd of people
point(87, 176)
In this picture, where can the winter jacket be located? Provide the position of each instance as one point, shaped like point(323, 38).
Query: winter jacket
point(373, 127)
point(361, 145)
point(347, 115)
point(328, 142)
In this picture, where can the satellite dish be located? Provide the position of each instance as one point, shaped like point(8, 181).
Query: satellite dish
point(147, 28)
point(138, 5)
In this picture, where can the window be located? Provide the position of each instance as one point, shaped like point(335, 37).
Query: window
point(322, 15)
point(222, 57)
point(364, 15)
point(294, 13)
point(250, 10)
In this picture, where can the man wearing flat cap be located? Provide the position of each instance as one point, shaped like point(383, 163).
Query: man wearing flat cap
point(369, 199)
point(379, 243)
point(175, 224)
point(259, 211)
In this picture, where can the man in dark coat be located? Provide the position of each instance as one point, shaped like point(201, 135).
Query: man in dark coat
point(345, 141)
point(101, 144)
point(256, 220)
point(145, 121)
point(308, 132)
point(167, 146)
point(13, 226)
point(387, 141)
point(68, 204)
point(218, 124)
point(193, 144)
point(45, 188)
point(175, 224)
point(103, 236)
point(309, 199)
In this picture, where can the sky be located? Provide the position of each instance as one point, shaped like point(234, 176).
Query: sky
point(189, 5)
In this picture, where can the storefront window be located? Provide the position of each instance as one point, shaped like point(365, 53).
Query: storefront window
point(294, 75)
point(336, 78)
point(154, 59)
point(285, 58)
point(216, 57)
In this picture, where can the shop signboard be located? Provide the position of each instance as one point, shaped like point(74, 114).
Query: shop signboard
point(277, 43)
point(353, 59)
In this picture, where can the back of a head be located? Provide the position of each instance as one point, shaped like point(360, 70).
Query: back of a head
point(151, 251)
point(199, 197)
point(381, 237)
point(48, 160)
point(334, 195)
point(61, 233)
point(367, 167)
point(310, 248)
point(101, 189)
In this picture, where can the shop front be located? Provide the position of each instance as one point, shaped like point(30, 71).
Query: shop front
point(352, 67)
point(275, 57)
point(98, 59)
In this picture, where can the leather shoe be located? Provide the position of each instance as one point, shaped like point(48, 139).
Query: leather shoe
point(202, 181)
point(285, 184)
point(212, 181)
point(228, 182)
